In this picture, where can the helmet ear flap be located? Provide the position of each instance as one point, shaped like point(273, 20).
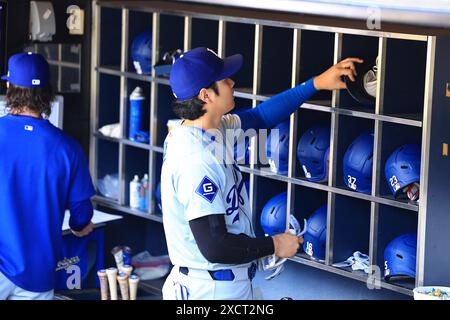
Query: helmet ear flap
point(400, 256)
point(141, 52)
point(315, 236)
point(277, 146)
point(402, 170)
point(312, 152)
point(358, 160)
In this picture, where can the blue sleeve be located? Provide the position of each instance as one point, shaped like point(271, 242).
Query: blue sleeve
point(278, 108)
point(81, 187)
point(81, 214)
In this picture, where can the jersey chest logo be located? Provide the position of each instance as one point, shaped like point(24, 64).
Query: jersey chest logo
point(207, 189)
point(234, 197)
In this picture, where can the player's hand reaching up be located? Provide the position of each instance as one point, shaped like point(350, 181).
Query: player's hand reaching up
point(286, 244)
point(331, 78)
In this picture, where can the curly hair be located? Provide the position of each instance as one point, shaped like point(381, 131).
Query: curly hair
point(192, 108)
point(36, 100)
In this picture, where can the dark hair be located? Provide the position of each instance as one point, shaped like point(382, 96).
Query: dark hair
point(192, 108)
point(33, 99)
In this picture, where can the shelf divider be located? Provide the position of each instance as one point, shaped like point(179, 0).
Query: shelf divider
point(187, 33)
point(94, 99)
point(331, 203)
point(293, 132)
point(154, 111)
point(123, 106)
point(374, 207)
point(222, 35)
point(425, 159)
point(255, 89)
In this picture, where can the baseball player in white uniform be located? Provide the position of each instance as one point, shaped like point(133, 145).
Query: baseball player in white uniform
point(206, 214)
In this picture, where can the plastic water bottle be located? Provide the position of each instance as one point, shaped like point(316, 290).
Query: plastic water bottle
point(143, 200)
point(135, 191)
point(137, 103)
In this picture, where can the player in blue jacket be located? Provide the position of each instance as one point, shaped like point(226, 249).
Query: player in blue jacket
point(206, 213)
point(43, 172)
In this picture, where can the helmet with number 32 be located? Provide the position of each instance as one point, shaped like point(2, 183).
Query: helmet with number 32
point(358, 164)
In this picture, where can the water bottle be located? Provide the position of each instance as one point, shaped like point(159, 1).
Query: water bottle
point(137, 103)
point(135, 191)
point(143, 200)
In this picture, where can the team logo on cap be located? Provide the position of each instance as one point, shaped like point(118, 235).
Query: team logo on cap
point(35, 82)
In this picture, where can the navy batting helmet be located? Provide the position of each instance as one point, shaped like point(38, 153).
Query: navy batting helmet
point(316, 234)
point(312, 153)
point(358, 164)
point(400, 256)
point(403, 169)
point(278, 151)
point(141, 52)
point(273, 216)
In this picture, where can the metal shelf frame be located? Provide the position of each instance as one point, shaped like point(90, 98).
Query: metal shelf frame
point(255, 96)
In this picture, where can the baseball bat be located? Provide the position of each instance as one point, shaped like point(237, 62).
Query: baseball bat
point(133, 280)
point(122, 278)
point(127, 269)
point(103, 284)
point(118, 257)
point(111, 273)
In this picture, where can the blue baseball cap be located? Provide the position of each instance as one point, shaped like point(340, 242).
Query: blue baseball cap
point(29, 70)
point(199, 68)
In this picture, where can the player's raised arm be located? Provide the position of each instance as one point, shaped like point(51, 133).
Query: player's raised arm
point(278, 108)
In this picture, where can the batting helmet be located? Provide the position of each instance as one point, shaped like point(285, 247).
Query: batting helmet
point(403, 168)
point(364, 88)
point(273, 216)
point(400, 256)
point(358, 164)
point(316, 234)
point(278, 150)
point(141, 52)
point(312, 153)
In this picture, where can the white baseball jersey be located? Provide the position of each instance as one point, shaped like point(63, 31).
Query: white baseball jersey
point(196, 181)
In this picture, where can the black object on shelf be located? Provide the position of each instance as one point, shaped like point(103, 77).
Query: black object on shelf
point(163, 66)
point(364, 80)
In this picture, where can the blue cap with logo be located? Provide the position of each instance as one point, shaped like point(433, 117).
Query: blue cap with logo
point(199, 68)
point(29, 70)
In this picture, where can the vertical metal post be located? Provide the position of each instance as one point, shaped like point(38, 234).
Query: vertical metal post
point(95, 61)
point(59, 66)
point(296, 46)
point(123, 106)
point(222, 38)
point(374, 207)
point(153, 113)
point(187, 33)
point(425, 160)
point(333, 158)
point(255, 90)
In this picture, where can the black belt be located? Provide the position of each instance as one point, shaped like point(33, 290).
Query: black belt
point(223, 274)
